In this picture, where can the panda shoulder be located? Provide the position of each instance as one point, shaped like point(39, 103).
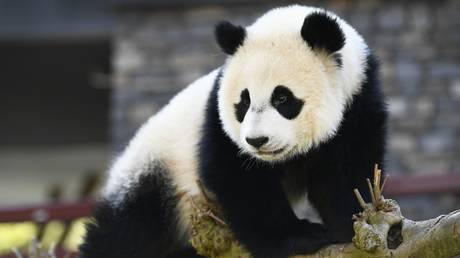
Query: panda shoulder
point(161, 137)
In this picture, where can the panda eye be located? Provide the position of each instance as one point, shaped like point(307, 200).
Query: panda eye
point(284, 101)
point(242, 107)
point(280, 100)
point(246, 102)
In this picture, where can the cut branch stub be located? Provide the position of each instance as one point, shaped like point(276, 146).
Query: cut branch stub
point(372, 225)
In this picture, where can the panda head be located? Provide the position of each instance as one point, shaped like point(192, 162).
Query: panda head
point(287, 80)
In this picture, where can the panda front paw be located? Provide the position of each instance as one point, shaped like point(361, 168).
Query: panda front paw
point(308, 245)
point(340, 236)
point(313, 229)
point(319, 231)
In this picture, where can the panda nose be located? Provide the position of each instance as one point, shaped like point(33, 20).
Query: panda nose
point(258, 141)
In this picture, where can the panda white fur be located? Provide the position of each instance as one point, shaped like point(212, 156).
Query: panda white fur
point(280, 135)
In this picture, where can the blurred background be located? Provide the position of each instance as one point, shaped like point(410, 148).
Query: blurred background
point(79, 77)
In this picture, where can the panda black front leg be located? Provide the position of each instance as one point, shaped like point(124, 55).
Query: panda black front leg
point(256, 209)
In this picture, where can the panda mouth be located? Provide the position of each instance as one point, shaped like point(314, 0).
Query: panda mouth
point(274, 152)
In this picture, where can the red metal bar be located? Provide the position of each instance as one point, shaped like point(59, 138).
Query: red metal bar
point(422, 184)
point(44, 213)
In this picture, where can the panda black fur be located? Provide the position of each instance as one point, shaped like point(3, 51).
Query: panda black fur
point(280, 135)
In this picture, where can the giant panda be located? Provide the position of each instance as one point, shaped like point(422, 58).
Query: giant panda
point(280, 135)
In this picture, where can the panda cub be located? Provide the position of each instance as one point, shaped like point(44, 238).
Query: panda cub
point(279, 135)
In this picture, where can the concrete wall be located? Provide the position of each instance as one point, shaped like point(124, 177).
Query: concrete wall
point(159, 51)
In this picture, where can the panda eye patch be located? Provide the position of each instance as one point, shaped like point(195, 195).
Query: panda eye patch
point(284, 101)
point(242, 107)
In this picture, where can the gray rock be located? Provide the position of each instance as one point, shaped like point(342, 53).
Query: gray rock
point(444, 70)
point(437, 142)
point(392, 17)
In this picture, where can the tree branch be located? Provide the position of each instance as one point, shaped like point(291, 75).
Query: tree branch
point(434, 238)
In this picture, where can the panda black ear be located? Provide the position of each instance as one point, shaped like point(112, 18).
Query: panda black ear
point(229, 37)
point(321, 31)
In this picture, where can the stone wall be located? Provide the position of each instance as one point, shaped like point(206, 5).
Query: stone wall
point(159, 51)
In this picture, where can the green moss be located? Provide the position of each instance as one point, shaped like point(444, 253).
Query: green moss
point(210, 237)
